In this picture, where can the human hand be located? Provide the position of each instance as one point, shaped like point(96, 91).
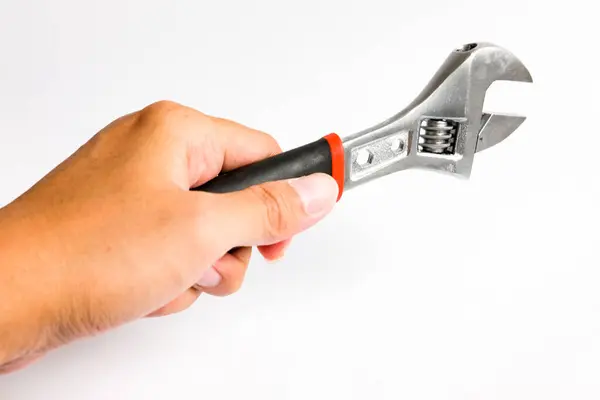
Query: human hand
point(114, 234)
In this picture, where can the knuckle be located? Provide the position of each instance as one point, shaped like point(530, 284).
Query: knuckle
point(161, 113)
point(234, 271)
point(276, 210)
point(232, 285)
point(272, 144)
point(161, 107)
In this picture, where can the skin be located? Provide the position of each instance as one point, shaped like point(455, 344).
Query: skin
point(113, 233)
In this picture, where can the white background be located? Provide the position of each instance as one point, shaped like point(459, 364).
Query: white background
point(418, 286)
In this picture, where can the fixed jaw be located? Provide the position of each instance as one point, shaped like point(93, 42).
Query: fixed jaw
point(494, 63)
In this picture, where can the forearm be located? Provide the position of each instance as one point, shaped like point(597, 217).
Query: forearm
point(49, 295)
point(25, 318)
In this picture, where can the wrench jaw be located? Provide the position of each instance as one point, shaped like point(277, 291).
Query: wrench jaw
point(493, 63)
point(488, 63)
point(496, 127)
point(444, 126)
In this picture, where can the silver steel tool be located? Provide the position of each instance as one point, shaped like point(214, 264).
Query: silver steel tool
point(440, 130)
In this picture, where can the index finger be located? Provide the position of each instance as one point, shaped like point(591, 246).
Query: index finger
point(234, 144)
point(241, 146)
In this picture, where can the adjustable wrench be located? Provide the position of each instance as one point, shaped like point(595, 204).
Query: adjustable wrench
point(441, 130)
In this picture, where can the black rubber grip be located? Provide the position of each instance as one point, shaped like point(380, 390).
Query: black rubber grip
point(305, 160)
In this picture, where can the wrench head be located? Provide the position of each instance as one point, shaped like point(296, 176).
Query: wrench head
point(445, 125)
point(453, 100)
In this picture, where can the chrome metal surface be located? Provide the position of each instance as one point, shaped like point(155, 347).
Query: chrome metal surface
point(378, 154)
point(495, 128)
point(443, 128)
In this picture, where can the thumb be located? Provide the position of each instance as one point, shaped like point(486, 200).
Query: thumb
point(275, 211)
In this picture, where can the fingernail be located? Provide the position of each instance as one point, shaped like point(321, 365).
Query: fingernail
point(318, 193)
point(284, 249)
point(211, 278)
point(275, 260)
point(284, 246)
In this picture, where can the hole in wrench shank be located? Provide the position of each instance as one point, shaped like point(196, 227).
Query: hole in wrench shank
point(397, 145)
point(467, 47)
point(364, 157)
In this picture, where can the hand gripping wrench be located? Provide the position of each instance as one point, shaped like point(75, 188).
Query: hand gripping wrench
point(441, 130)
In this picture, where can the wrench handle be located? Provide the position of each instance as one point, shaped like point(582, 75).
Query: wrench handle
point(325, 155)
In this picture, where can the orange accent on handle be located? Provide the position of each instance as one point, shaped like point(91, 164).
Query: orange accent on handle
point(338, 166)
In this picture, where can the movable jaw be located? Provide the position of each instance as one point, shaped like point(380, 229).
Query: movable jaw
point(445, 125)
